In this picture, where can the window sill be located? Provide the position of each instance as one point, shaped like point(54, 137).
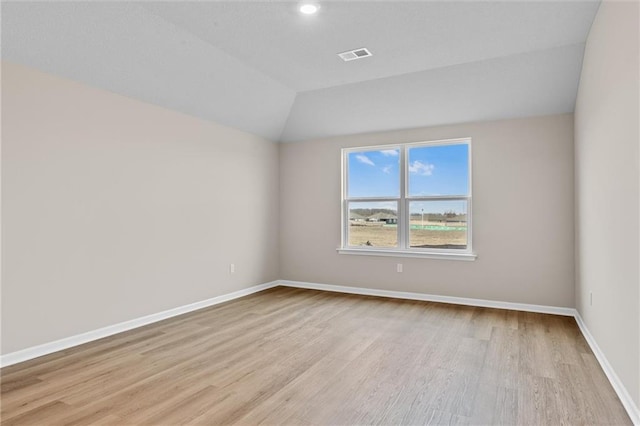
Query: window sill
point(468, 257)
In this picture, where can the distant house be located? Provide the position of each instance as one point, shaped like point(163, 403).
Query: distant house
point(356, 217)
point(387, 218)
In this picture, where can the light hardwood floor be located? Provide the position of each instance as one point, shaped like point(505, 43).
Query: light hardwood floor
point(291, 356)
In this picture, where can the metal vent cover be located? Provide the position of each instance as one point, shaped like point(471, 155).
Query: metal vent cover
point(351, 55)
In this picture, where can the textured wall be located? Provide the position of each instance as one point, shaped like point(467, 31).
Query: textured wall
point(522, 215)
point(114, 209)
point(608, 189)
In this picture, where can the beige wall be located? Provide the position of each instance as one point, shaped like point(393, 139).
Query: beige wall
point(522, 223)
point(114, 209)
point(608, 189)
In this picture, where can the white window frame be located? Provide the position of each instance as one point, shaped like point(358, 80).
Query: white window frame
point(403, 249)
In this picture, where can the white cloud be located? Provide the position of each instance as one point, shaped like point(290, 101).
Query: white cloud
point(420, 168)
point(387, 169)
point(389, 152)
point(364, 159)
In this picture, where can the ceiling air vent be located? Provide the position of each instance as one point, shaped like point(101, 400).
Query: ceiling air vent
point(354, 54)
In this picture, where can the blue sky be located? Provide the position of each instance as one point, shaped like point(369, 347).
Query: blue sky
point(374, 173)
point(433, 170)
point(438, 170)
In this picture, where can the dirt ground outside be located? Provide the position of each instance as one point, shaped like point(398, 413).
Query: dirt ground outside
point(434, 234)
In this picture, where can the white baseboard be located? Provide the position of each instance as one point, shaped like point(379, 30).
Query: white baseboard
point(621, 390)
point(79, 339)
point(555, 310)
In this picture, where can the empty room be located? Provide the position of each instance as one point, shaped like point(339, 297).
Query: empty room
point(320, 212)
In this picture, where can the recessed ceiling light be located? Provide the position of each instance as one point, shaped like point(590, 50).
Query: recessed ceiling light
point(309, 8)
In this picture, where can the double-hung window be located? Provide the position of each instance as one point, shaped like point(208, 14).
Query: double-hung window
point(409, 199)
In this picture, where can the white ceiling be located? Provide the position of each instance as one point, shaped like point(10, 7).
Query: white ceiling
point(536, 83)
point(263, 68)
point(124, 48)
point(404, 37)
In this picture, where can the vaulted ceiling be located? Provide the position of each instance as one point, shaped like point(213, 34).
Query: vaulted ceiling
point(264, 68)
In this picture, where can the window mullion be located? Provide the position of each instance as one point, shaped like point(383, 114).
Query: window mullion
point(403, 211)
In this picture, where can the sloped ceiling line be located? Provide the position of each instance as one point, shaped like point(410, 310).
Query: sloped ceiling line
point(529, 84)
point(259, 67)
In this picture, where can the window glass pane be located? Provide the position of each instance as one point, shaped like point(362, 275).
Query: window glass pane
point(438, 170)
point(374, 173)
point(373, 224)
point(438, 224)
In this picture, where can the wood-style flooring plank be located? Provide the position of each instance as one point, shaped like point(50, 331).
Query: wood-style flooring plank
point(306, 357)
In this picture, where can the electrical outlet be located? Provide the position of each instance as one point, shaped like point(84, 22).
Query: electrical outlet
point(399, 267)
point(232, 268)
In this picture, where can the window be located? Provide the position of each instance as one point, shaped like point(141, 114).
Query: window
point(408, 200)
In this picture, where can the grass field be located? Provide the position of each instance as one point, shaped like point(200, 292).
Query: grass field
point(436, 234)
